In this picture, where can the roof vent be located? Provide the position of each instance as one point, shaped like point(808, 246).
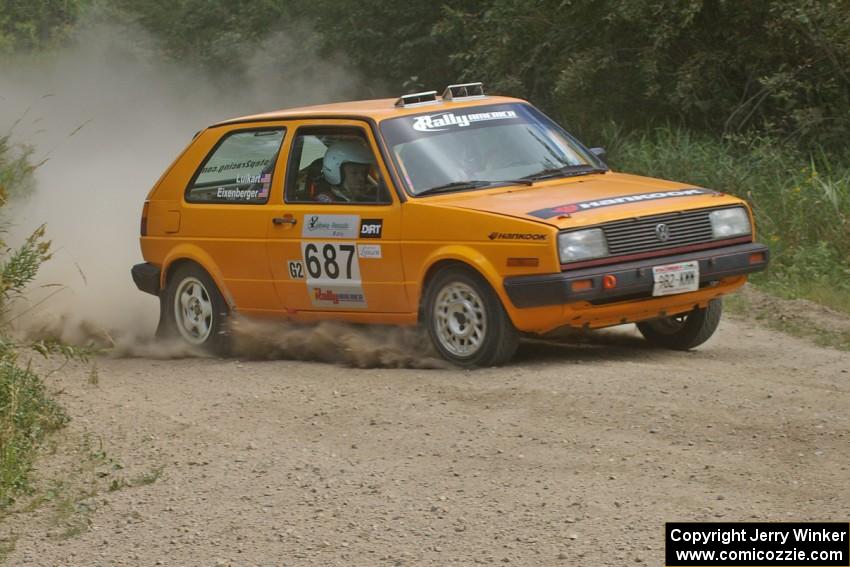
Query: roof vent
point(415, 99)
point(466, 90)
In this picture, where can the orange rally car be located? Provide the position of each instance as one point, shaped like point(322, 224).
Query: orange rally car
point(475, 215)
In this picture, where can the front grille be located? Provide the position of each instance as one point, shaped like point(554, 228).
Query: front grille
point(633, 236)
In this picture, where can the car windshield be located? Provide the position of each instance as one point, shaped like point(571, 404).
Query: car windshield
point(482, 146)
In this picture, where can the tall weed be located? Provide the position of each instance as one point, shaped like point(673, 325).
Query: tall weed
point(27, 411)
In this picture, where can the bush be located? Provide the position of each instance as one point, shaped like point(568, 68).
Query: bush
point(27, 413)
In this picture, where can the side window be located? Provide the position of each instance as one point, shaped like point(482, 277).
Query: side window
point(239, 169)
point(334, 165)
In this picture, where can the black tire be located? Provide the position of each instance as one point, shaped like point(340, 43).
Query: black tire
point(686, 331)
point(472, 336)
point(205, 309)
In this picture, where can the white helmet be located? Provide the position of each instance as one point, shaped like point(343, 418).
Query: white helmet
point(344, 151)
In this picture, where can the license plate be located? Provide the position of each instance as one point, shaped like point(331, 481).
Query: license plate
point(675, 278)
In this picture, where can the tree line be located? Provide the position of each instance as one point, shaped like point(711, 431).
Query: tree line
point(779, 68)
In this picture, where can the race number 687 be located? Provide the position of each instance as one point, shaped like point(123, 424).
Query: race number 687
point(331, 261)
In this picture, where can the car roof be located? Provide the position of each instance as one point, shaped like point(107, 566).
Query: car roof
point(375, 109)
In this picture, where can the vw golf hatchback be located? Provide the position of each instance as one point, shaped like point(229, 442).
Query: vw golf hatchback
point(476, 216)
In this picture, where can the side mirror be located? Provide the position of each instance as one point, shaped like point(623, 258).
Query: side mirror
point(600, 153)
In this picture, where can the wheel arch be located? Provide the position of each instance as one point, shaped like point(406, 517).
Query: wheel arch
point(460, 257)
point(188, 254)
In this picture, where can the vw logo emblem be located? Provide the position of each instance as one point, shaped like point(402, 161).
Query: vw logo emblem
point(662, 231)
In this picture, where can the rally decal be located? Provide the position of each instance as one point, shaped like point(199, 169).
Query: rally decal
point(570, 208)
point(333, 275)
point(446, 120)
point(330, 226)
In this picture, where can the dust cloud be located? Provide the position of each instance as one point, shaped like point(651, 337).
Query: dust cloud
point(334, 342)
point(109, 116)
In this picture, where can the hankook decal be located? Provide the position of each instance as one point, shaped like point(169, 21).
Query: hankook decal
point(570, 208)
point(515, 236)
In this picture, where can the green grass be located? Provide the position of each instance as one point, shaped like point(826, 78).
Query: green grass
point(801, 202)
point(27, 415)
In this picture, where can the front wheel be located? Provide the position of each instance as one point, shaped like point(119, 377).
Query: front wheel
point(466, 321)
point(195, 310)
point(685, 331)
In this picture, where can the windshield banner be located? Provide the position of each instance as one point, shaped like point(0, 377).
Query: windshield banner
point(445, 120)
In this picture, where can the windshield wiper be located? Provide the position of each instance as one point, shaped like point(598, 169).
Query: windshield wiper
point(472, 184)
point(566, 171)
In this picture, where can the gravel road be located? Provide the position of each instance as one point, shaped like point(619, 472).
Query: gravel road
point(575, 454)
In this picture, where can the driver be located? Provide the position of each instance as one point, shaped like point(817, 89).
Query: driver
point(347, 173)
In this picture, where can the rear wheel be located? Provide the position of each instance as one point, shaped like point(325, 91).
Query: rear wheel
point(685, 331)
point(195, 310)
point(466, 321)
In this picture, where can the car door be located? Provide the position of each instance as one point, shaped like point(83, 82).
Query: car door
point(333, 243)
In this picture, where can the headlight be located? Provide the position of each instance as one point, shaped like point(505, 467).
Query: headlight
point(581, 245)
point(729, 222)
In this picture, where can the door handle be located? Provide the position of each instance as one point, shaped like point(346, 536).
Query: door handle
point(285, 220)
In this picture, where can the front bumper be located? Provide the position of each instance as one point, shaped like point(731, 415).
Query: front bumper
point(634, 279)
point(146, 277)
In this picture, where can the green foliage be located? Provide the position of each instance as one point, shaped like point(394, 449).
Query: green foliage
point(27, 414)
point(35, 24)
point(216, 35)
point(801, 203)
point(21, 266)
point(15, 169)
point(776, 66)
point(390, 42)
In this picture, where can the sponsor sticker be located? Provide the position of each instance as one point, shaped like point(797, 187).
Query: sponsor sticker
point(570, 208)
point(515, 236)
point(369, 251)
point(333, 274)
point(446, 120)
point(371, 228)
point(330, 226)
point(337, 297)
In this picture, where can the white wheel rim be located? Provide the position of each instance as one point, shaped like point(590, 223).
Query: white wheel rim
point(460, 321)
point(193, 311)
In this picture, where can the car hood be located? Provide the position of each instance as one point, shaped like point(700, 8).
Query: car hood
point(589, 199)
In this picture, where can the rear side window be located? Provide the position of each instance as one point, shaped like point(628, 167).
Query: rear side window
point(239, 169)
